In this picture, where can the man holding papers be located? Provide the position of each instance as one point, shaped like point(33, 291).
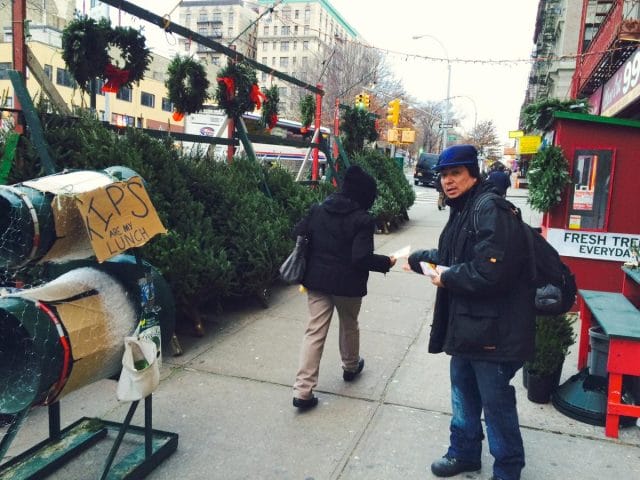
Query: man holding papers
point(483, 316)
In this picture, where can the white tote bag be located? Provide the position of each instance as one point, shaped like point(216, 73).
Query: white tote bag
point(140, 374)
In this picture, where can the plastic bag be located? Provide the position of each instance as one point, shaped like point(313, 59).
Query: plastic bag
point(140, 373)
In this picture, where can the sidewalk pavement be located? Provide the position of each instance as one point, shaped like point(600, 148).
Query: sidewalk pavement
point(229, 396)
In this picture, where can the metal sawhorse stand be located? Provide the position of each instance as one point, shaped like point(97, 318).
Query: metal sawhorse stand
point(62, 445)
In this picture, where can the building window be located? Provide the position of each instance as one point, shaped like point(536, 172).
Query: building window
point(230, 32)
point(139, 122)
point(284, 46)
point(167, 106)
point(99, 85)
point(202, 17)
point(147, 100)
point(48, 71)
point(264, 60)
point(286, 13)
point(273, 61)
point(296, 14)
point(263, 77)
point(265, 46)
point(230, 17)
point(274, 45)
point(306, 31)
point(4, 70)
point(125, 94)
point(285, 31)
point(202, 30)
point(305, 61)
point(284, 62)
point(217, 31)
point(215, 60)
point(275, 30)
point(305, 45)
point(295, 44)
point(217, 16)
point(122, 120)
point(295, 30)
point(294, 60)
point(307, 14)
point(64, 78)
point(266, 30)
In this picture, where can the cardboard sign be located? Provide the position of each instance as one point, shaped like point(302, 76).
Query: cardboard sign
point(118, 217)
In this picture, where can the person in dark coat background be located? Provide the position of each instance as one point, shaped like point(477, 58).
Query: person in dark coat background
point(483, 317)
point(339, 257)
point(500, 177)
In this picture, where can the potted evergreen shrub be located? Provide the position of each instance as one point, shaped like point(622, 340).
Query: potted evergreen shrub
point(554, 336)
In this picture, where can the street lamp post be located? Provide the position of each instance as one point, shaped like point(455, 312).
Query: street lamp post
point(448, 99)
point(475, 108)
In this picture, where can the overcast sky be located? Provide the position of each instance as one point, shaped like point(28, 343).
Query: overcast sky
point(470, 30)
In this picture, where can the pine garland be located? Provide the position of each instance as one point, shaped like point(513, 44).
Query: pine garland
point(307, 111)
point(547, 177)
point(270, 107)
point(539, 115)
point(234, 93)
point(187, 85)
point(85, 49)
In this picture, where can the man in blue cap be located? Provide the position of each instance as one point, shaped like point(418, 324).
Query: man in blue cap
point(483, 316)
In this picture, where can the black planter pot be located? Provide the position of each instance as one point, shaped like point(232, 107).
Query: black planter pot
point(540, 387)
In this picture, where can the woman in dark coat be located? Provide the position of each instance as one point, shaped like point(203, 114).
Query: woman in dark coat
point(340, 256)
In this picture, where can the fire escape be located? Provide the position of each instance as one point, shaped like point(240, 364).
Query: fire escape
point(545, 36)
point(604, 46)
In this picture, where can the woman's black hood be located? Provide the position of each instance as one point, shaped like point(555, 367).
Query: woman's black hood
point(359, 186)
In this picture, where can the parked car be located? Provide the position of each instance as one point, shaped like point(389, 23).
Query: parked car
point(424, 172)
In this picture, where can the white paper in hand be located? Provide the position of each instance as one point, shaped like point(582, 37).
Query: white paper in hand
point(402, 253)
point(432, 270)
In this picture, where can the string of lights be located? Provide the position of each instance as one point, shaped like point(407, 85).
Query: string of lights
point(493, 62)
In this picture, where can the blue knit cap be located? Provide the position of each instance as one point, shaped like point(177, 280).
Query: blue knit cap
point(455, 155)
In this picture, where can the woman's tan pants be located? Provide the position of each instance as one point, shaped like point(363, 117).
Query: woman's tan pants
point(321, 307)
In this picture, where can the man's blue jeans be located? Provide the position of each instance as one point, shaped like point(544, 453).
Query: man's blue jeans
point(477, 386)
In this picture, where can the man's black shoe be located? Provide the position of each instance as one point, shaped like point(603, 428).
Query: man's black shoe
point(304, 404)
point(349, 376)
point(448, 466)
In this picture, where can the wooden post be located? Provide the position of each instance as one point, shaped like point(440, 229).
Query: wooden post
point(19, 14)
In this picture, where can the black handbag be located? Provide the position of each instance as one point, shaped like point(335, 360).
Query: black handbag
point(292, 269)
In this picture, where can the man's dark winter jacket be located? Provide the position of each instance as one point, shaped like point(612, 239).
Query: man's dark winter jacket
point(340, 253)
point(486, 310)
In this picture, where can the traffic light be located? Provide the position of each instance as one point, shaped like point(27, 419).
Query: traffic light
point(359, 100)
point(393, 112)
point(365, 100)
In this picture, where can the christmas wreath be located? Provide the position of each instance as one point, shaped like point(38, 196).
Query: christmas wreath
point(135, 55)
point(307, 112)
point(238, 90)
point(187, 86)
point(84, 49)
point(270, 107)
point(547, 177)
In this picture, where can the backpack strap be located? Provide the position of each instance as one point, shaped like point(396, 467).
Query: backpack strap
point(483, 198)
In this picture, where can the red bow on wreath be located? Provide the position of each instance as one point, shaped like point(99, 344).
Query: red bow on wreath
point(256, 96)
point(273, 120)
point(230, 84)
point(116, 77)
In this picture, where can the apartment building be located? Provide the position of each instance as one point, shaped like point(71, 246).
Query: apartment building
point(295, 37)
point(292, 36)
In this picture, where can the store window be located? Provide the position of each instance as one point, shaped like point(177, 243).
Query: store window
point(590, 196)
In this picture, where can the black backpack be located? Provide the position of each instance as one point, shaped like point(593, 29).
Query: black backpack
point(555, 284)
